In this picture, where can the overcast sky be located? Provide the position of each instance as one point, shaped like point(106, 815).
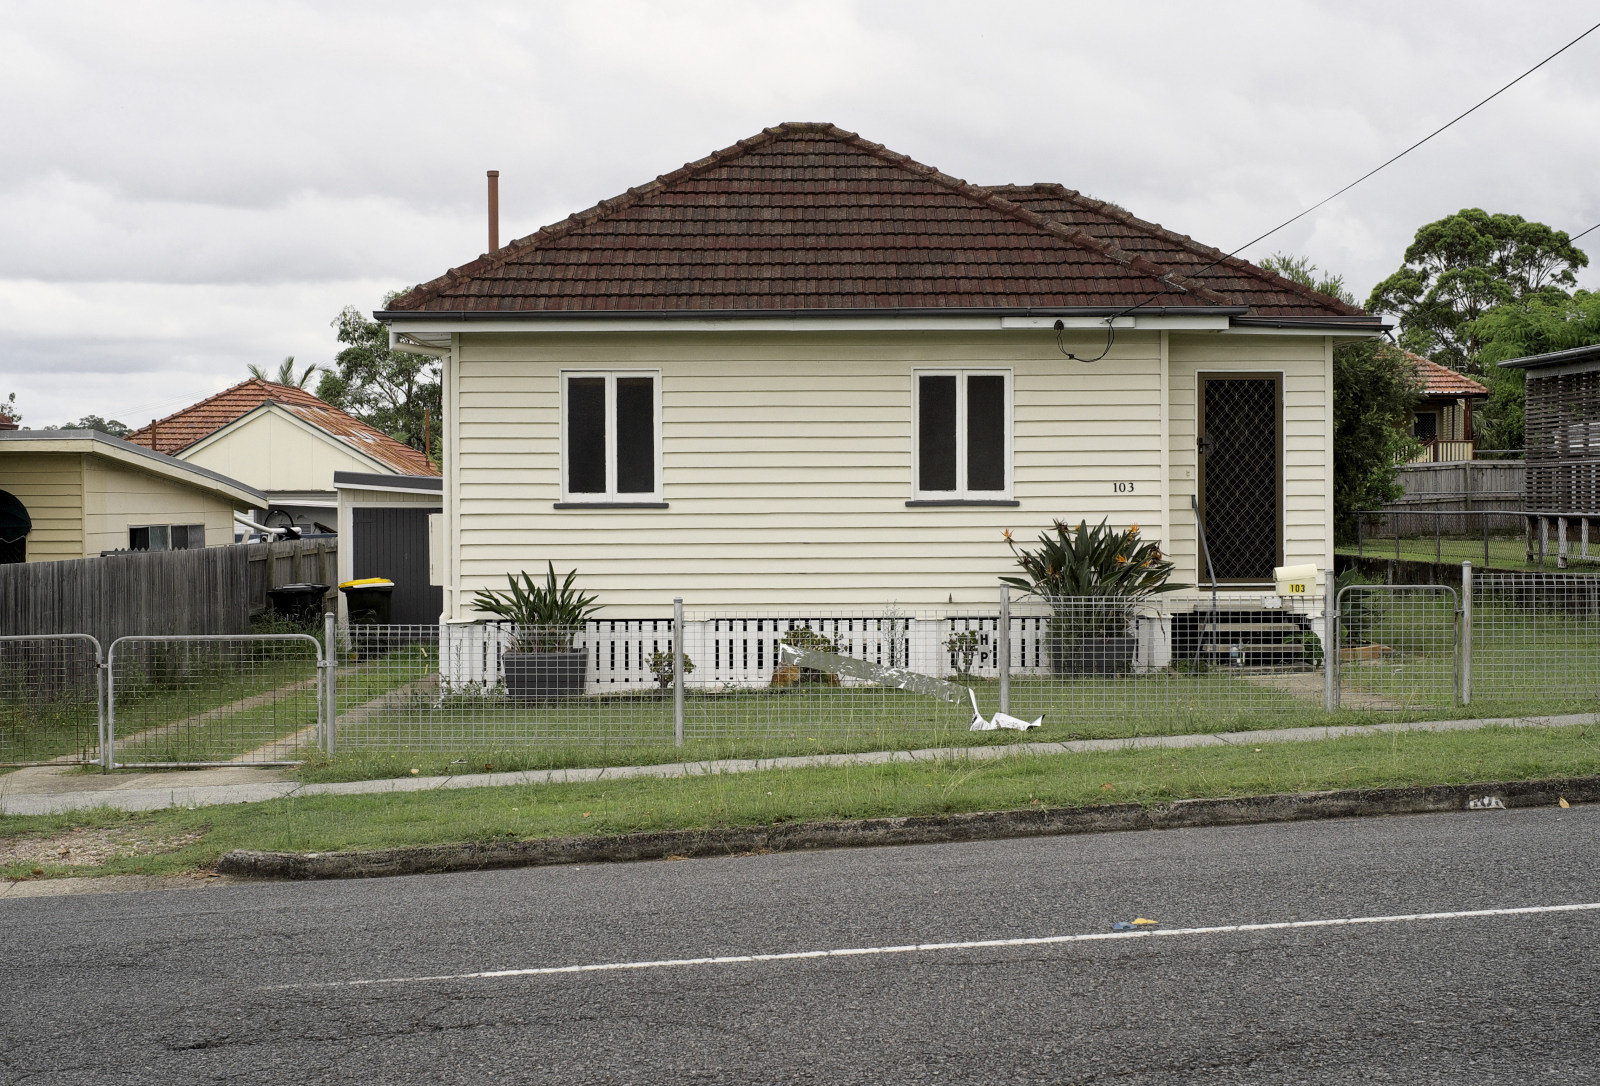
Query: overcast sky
point(191, 187)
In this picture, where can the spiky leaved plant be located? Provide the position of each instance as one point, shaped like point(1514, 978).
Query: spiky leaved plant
point(547, 617)
point(1092, 577)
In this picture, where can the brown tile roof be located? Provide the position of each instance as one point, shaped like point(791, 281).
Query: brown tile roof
point(1266, 293)
point(178, 431)
point(1440, 380)
point(808, 216)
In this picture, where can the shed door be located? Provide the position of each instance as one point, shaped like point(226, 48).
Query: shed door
point(1241, 474)
point(393, 543)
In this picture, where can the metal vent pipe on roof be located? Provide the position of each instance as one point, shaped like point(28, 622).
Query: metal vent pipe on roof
point(494, 211)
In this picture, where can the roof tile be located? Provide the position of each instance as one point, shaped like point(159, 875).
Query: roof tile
point(196, 422)
point(808, 216)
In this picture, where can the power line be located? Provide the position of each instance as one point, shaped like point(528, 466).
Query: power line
point(1591, 230)
point(1419, 143)
point(1334, 196)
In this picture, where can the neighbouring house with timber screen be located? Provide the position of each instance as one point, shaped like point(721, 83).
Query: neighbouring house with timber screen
point(807, 372)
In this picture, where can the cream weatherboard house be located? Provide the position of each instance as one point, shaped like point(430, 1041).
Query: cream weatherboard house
point(809, 374)
point(81, 493)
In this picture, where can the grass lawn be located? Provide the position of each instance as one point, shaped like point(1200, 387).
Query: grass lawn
point(1505, 552)
point(174, 841)
point(214, 709)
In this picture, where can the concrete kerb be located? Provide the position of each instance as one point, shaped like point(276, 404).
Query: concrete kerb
point(986, 825)
point(158, 797)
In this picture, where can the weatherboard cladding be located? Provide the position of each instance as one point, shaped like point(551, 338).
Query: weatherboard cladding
point(808, 216)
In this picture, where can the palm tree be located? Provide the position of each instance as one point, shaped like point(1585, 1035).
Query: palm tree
point(285, 374)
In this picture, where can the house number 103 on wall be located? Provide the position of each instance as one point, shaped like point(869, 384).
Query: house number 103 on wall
point(1122, 488)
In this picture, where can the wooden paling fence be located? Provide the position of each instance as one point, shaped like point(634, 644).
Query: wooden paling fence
point(209, 591)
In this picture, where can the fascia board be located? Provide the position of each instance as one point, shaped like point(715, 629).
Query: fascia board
point(155, 464)
point(389, 489)
point(1339, 334)
point(429, 331)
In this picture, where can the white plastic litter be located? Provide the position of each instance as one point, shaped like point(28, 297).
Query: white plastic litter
point(999, 720)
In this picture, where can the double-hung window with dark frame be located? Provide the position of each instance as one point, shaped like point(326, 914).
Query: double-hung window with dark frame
point(611, 436)
point(962, 435)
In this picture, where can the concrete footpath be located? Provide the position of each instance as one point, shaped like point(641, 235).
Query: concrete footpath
point(53, 789)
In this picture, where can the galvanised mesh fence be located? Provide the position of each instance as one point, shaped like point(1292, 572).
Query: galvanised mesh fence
point(1398, 647)
point(1086, 667)
point(481, 687)
point(901, 676)
point(787, 679)
point(213, 700)
point(1166, 665)
point(1535, 642)
point(50, 700)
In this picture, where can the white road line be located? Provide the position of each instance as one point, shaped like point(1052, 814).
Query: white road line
point(973, 944)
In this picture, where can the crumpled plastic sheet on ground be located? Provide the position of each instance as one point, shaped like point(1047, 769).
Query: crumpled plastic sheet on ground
point(901, 679)
point(999, 720)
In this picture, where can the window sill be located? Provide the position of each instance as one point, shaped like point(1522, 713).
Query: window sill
point(609, 505)
point(939, 503)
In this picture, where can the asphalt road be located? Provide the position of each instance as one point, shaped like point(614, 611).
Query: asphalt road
point(251, 983)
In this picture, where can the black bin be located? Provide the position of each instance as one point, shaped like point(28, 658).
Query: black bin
point(297, 602)
point(368, 601)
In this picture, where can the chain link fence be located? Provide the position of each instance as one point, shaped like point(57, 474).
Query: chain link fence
point(213, 700)
point(50, 700)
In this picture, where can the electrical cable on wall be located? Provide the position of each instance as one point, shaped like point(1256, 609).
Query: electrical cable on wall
point(1110, 328)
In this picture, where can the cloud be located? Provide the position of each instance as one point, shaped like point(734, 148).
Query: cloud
point(191, 186)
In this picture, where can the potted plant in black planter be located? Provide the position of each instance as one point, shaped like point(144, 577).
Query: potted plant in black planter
point(1093, 580)
point(541, 662)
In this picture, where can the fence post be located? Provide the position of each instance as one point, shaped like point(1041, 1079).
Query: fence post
point(677, 670)
point(1330, 647)
point(108, 682)
point(1002, 649)
point(102, 699)
point(1466, 633)
point(1561, 542)
point(330, 673)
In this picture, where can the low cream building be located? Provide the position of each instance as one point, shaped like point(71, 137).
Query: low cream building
point(286, 443)
point(807, 373)
point(80, 493)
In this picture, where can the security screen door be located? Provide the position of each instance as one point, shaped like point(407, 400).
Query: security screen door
point(1241, 474)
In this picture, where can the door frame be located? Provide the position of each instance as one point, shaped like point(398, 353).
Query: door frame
point(1200, 379)
point(347, 535)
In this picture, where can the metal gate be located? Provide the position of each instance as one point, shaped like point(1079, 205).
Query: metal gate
point(50, 691)
point(1398, 647)
point(214, 700)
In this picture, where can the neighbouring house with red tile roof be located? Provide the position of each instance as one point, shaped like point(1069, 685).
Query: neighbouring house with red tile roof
point(1443, 421)
point(283, 441)
point(809, 374)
